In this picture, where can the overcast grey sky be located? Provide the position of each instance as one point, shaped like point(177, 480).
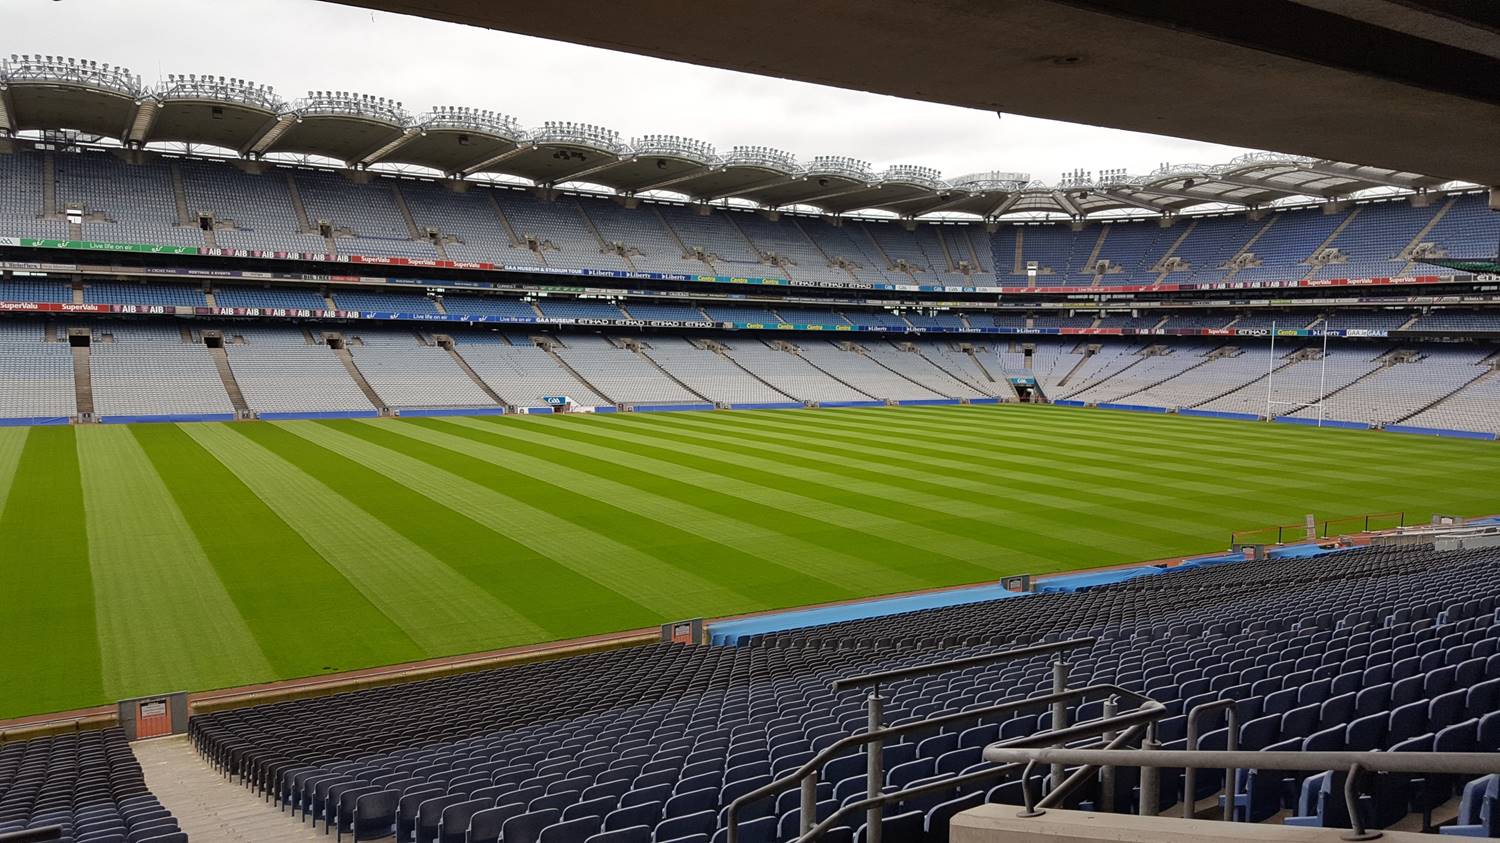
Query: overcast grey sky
point(297, 45)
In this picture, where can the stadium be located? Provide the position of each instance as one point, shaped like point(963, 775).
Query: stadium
point(436, 475)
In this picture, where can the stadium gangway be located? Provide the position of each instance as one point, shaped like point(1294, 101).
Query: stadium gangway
point(1149, 711)
point(1354, 763)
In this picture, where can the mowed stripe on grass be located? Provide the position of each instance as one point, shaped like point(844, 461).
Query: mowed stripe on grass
point(312, 546)
point(152, 582)
point(49, 647)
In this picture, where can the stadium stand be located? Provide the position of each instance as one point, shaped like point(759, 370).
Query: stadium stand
point(148, 370)
point(1377, 648)
point(282, 371)
point(86, 785)
point(407, 373)
point(36, 372)
point(523, 373)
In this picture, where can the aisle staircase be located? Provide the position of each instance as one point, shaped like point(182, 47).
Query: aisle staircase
point(231, 385)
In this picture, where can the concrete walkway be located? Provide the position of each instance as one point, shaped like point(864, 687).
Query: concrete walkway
point(209, 807)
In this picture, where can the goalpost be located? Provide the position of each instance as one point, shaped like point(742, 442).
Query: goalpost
point(1271, 400)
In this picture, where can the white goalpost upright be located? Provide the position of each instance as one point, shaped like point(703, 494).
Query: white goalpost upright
point(1271, 400)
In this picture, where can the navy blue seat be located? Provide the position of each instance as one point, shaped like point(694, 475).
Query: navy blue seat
point(702, 823)
point(571, 831)
point(485, 826)
point(645, 813)
point(630, 834)
point(899, 828)
point(1479, 810)
point(527, 827)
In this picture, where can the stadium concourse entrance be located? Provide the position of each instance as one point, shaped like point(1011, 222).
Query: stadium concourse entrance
point(1027, 390)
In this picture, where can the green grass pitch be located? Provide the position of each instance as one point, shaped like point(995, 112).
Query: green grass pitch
point(154, 558)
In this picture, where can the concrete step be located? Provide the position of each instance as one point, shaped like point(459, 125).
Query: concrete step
point(209, 807)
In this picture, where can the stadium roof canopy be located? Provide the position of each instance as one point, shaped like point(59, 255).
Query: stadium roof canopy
point(50, 93)
point(1409, 85)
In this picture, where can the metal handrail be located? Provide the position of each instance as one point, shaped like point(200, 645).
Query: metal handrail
point(1132, 721)
point(958, 664)
point(1355, 763)
point(807, 773)
point(1231, 743)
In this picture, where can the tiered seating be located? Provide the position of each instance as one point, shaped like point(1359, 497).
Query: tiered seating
point(876, 318)
point(1472, 408)
point(642, 230)
point(87, 783)
point(468, 216)
point(1469, 230)
point(392, 301)
point(369, 211)
point(864, 373)
point(287, 297)
point(259, 207)
point(458, 304)
point(578, 309)
point(560, 224)
point(1291, 239)
point(1372, 242)
point(1196, 384)
point(789, 242)
point(963, 366)
point(915, 367)
point(711, 374)
point(1459, 320)
point(646, 310)
point(850, 244)
point(720, 238)
point(21, 198)
point(1150, 370)
point(789, 373)
point(405, 374)
point(278, 371)
point(27, 289)
point(137, 200)
point(522, 374)
point(623, 375)
point(1301, 383)
point(1212, 241)
point(145, 369)
point(1399, 390)
point(1135, 248)
point(810, 316)
point(36, 377)
point(1378, 648)
point(130, 292)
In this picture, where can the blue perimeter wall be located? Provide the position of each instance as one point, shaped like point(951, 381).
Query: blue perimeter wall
point(737, 632)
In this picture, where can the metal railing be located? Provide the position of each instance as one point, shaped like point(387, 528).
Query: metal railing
point(876, 734)
point(1354, 763)
point(1132, 722)
point(1322, 528)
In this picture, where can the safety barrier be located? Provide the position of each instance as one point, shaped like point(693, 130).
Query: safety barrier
point(415, 412)
point(325, 414)
point(670, 408)
point(769, 405)
point(168, 417)
point(1440, 431)
point(930, 402)
point(34, 421)
point(1067, 402)
point(829, 404)
point(1133, 408)
point(985, 401)
point(1215, 414)
point(1353, 763)
point(873, 740)
point(1335, 423)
